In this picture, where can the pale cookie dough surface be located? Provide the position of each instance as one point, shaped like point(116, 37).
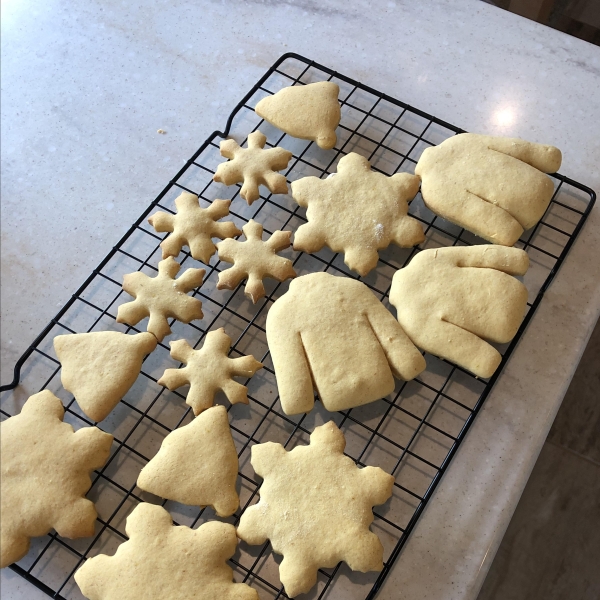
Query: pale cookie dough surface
point(494, 187)
point(309, 112)
point(162, 297)
point(209, 370)
point(197, 465)
point(99, 368)
point(193, 226)
point(161, 561)
point(254, 166)
point(46, 470)
point(332, 333)
point(357, 212)
point(254, 260)
point(316, 508)
point(449, 300)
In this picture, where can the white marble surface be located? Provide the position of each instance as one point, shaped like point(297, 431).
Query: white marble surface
point(85, 86)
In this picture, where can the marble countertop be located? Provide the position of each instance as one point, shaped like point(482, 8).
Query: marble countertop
point(86, 85)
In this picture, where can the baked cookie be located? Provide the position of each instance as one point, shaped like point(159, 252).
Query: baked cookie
point(316, 508)
point(357, 212)
point(193, 226)
point(46, 470)
point(99, 368)
point(449, 300)
point(163, 561)
point(494, 187)
point(209, 370)
point(254, 166)
point(162, 297)
point(309, 112)
point(197, 465)
point(331, 333)
point(254, 260)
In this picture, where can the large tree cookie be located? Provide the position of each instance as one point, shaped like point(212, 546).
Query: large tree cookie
point(99, 368)
point(254, 166)
point(193, 226)
point(254, 260)
point(197, 465)
point(495, 187)
point(161, 561)
point(316, 508)
point(209, 370)
point(332, 333)
point(162, 297)
point(46, 470)
point(309, 112)
point(357, 212)
point(449, 300)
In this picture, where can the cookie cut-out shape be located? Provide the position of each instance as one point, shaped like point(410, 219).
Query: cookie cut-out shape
point(316, 508)
point(197, 465)
point(46, 470)
point(162, 561)
point(162, 297)
point(449, 300)
point(255, 260)
point(357, 212)
point(193, 226)
point(99, 368)
point(334, 334)
point(309, 112)
point(254, 166)
point(495, 187)
point(209, 370)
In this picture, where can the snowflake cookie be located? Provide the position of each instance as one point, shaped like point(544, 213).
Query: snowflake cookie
point(316, 508)
point(254, 166)
point(255, 260)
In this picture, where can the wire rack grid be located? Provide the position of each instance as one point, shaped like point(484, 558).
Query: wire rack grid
point(412, 434)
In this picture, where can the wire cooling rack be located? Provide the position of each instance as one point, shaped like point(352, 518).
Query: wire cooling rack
point(413, 433)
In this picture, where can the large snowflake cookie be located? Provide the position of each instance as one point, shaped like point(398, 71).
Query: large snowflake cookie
point(209, 370)
point(316, 508)
point(255, 260)
point(162, 561)
point(193, 226)
point(357, 212)
point(254, 166)
point(161, 297)
point(46, 470)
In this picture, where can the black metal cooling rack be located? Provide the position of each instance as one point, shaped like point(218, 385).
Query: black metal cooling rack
point(413, 433)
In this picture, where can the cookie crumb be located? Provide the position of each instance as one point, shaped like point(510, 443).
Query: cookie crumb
point(161, 131)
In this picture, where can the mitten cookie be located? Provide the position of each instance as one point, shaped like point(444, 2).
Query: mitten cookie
point(254, 166)
point(162, 297)
point(209, 370)
point(449, 300)
point(334, 334)
point(197, 465)
point(357, 212)
point(193, 226)
point(315, 507)
point(162, 561)
point(46, 470)
point(255, 260)
point(495, 187)
point(99, 368)
point(309, 112)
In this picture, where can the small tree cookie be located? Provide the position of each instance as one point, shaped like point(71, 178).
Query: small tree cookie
point(46, 470)
point(255, 260)
point(163, 561)
point(315, 507)
point(254, 166)
point(193, 226)
point(209, 370)
point(162, 297)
